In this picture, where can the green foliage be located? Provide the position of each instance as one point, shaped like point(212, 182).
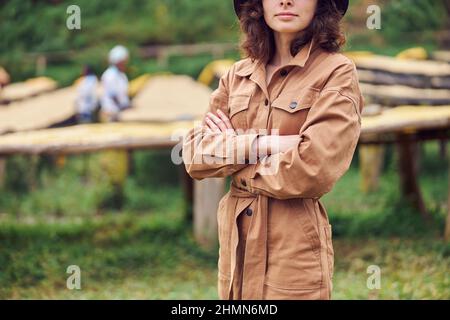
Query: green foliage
point(135, 22)
point(32, 27)
point(402, 19)
point(383, 213)
point(40, 27)
point(37, 188)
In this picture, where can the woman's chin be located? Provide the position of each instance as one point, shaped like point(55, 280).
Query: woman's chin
point(286, 27)
point(287, 30)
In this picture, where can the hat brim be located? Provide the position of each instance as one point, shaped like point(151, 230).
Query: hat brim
point(341, 4)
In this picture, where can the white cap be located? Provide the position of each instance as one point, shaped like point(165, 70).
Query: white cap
point(118, 54)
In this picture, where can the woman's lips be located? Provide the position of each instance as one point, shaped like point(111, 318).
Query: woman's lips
point(286, 16)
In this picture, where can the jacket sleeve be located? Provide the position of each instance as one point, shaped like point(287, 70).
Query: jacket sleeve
point(328, 141)
point(206, 154)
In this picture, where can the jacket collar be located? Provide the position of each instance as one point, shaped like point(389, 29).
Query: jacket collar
point(299, 59)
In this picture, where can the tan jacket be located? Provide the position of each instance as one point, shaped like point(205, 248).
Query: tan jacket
point(288, 253)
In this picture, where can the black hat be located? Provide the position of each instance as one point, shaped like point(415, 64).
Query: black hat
point(342, 5)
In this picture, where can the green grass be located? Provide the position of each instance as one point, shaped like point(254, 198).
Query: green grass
point(384, 212)
point(411, 268)
point(153, 256)
point(146, 250)
point(120, 256)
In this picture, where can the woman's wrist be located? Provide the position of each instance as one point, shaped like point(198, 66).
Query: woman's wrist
point(268, 144)
point(263, 147)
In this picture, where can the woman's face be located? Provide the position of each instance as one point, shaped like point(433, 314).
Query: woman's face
point(289, 16)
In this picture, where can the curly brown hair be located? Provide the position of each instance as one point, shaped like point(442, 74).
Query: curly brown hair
point(258, 39)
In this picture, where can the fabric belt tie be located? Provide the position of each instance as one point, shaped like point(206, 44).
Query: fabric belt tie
point(255, 258)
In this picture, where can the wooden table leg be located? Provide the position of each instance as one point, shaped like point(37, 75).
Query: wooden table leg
point(443, 148)
point(207, 194)
point(370, 166)
point(407, 166)
point(2, 171)
point(187, 185)
point(447, 224)
point(32, 172)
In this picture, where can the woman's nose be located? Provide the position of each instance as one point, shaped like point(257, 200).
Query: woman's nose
point(286, 3)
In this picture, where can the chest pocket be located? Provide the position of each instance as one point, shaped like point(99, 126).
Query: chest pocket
point(290, 109)
point(238, 110)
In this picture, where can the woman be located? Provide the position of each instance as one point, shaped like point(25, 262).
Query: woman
point(303, 99)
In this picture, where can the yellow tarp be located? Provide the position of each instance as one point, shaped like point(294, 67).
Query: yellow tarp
point(214, 69)
point(417, 53)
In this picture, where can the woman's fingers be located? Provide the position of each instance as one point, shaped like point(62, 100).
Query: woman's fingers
point(207, 127)
point(220, 123)
point(217, 121)
point(211, 124)
point(225, 119)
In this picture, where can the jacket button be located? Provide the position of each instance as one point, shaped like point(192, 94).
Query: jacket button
point(293, 105)
point(266, 102)
point(243, 182)
point(283, 73)
point(249, 212)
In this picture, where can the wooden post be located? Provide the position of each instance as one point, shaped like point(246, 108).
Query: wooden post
point(207, 194)
point(163, 59)
point(447, 224)
point(187, 184)
point(407, 165)
point(32, 172)
point(371, 163)
point(443, 148)
point(2, 171)
point(60, 160)
point(41, 65)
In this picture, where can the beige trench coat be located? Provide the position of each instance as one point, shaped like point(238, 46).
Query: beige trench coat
point(274, 233)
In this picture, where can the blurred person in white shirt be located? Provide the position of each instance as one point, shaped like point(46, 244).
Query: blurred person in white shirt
point(115, 85)
point(87, 101)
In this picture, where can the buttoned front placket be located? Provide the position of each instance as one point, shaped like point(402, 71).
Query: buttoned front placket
point(273, 89)
point(269, 93)
point(254, 255)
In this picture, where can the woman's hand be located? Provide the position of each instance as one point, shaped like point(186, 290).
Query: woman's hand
point(219, 122)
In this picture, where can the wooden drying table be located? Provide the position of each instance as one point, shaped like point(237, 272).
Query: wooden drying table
point(27, 89)
point(406, 126)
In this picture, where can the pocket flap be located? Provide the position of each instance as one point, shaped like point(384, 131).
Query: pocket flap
point(238, 103)
point(295, 101)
